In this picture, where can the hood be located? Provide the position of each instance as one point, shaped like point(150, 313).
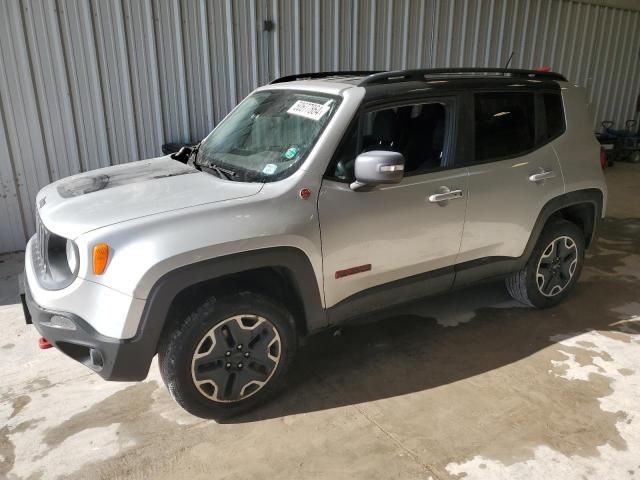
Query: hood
point(75, 205)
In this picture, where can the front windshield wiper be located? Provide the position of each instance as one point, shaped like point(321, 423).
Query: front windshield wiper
point(193, 155)
point(219, 171)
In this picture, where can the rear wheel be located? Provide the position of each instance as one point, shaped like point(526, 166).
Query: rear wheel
point(230, 355)
point(553, 268)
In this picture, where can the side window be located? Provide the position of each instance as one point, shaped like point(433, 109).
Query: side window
point(554, 113)
point(417, 131)
point(504, 124)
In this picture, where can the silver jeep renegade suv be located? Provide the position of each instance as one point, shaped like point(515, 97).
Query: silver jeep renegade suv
point(318, 199)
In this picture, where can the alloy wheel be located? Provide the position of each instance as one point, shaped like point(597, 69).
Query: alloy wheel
point(236, 358)
point(556, 266)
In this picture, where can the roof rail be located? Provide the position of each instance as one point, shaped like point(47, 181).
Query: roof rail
point(419, 75)
point(318, 75)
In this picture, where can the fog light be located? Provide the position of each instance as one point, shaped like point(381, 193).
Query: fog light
point(96, 358)
point(58, 321)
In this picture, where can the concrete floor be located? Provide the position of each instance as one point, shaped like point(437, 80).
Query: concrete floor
point(468, 385)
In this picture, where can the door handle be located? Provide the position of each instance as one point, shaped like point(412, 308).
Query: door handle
point(538, 177)
point(444, 196)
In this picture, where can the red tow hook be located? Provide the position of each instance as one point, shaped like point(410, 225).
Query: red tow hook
point(43, 343)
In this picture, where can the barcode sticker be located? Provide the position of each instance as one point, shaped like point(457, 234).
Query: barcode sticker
point(313, 111)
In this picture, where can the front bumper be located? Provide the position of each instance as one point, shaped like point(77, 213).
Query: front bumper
point(112, 359)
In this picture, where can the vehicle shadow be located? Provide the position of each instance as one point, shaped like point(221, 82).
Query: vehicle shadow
point(442, 340)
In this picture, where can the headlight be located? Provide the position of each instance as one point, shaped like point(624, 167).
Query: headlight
point(72, 256)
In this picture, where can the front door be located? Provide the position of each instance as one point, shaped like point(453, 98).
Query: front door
point(393, 241)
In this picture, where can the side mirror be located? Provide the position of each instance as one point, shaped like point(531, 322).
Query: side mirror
point(378, 167)
point(182, 155)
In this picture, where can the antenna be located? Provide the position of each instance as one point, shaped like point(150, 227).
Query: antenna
point(510, 57)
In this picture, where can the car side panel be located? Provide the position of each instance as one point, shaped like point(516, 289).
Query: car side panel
point(155, 315)
point(394, 229)
point(503, 204)
point(485, 268)
point(143, 250)
point(578, 149)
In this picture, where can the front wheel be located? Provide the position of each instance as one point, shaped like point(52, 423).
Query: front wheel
point(553, 268)
point(228, 356)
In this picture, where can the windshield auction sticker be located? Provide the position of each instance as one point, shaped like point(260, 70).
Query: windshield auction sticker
point(313, 111)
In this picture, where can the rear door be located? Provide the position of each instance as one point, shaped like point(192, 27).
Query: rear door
point(380, 243)
point(513, 174)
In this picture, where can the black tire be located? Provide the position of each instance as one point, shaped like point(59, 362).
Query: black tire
point(545, 268)
point(204, 329)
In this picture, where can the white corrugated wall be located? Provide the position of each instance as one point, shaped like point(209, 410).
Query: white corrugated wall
point(89, 83)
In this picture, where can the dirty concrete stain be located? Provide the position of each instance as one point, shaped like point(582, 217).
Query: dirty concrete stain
point(622, 236)
point(619, 336)
point(205, 449)
point(123, 406)
point(613, 456)
point(7, 452)
point(38, 383)
point(7, 346)
point(151, 433)
point(586, 356)
point(495, 405)
point(526, 409)
point(34, 385)
point(571, 416)
point(505, 422)
point(306, 450)
point(6, 395)
point(7, 447)
point(26, 425)
point(18, 404)
point(39, 475)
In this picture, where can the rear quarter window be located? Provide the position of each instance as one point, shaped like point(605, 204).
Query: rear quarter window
point(504, 125)
point(554, 115)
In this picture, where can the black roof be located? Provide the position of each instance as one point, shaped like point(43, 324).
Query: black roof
point(469, 77)
point(384, 84)
point(337, 75)
point(423, 74)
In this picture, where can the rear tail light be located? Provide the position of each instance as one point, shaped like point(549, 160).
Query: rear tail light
point(603, 158)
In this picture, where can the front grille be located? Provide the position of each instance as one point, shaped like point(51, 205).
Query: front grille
point(41, 246)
